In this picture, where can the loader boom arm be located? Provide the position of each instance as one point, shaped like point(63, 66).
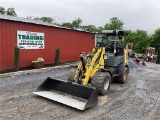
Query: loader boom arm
point(96, 63)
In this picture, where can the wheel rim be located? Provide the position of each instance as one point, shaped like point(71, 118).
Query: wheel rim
point(106, 84)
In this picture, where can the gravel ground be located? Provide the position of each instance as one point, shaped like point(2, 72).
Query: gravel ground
point(138, 99)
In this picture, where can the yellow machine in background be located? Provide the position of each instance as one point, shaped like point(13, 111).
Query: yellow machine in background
point(106, 62)
point(150, 54)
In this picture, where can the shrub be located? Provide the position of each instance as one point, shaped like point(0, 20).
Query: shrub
point(57, 55)
point(16, 58)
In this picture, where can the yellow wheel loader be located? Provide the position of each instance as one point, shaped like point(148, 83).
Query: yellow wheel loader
point(150, 54)
point(105, 63)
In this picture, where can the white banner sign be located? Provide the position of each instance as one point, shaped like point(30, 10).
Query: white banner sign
point(30, 40)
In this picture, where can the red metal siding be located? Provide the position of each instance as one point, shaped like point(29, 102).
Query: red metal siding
point(71, 43)
point(0, 44)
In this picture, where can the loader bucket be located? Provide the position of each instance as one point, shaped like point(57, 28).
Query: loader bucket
point(71, 94)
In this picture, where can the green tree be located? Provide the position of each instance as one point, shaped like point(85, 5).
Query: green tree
point(89, 28)
point(130, 36)
point(33, 18)
point(101, 28)
point(46, 19)
point(57, 56)
point(11, 12)
point(115, 23)
point(76, 23)
point(67, 25)
point(140, 40)
point(155, 40)
point(29, 17)
point(16, 58)
point(36, 18)
point(2, 10)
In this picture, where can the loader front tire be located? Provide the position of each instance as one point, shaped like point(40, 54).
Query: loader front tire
point(101, 81)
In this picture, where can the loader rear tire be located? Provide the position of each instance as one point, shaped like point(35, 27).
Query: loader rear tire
point(101, 81)
point(123, 79)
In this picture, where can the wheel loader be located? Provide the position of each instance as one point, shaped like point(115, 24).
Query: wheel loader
point(150, 54)
point(105, 63)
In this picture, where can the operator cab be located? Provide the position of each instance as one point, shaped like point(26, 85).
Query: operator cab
point(113, 41)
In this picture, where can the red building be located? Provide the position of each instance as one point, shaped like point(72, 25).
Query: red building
point(40, 40)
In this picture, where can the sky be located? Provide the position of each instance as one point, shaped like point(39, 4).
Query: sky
point(135, 14)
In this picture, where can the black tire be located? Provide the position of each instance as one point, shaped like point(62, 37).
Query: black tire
point(101, 81)
point(123, 78)
point(71, 74)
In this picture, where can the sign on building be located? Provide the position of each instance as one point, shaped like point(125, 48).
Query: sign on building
point(30, 40)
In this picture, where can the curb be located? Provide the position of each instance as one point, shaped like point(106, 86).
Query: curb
point(5, 75)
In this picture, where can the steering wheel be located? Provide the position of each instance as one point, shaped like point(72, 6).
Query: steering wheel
point(108, 46)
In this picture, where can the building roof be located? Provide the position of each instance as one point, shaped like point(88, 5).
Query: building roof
point(38, 22)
